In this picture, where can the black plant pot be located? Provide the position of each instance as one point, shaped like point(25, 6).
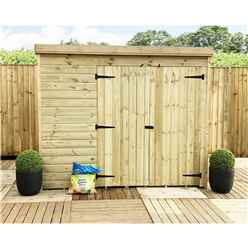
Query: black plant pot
point(29, 183)
point(221, 179)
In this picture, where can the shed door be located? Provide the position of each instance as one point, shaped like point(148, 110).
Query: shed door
point(126, 102)
point(181, 126)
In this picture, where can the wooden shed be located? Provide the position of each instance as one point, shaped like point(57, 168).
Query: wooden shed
point(138, 112)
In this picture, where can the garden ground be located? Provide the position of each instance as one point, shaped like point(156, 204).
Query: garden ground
point(125, 205)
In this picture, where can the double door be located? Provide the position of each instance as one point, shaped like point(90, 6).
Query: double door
point(152, 125)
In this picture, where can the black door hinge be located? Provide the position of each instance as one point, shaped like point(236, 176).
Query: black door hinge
point(101, 176)
point(193, 175)
point(102, 126)
point(149, 127)
point(197, 76)
point(103, 76)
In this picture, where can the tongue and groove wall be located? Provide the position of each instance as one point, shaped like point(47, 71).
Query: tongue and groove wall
point(149, 88)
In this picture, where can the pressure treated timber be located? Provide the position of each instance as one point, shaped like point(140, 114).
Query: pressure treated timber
point(121, 50)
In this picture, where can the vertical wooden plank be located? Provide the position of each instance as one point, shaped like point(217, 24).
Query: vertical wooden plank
point(190, 126)
point(31, 107)
point(165, 126)
point(101, 120)
point(245, 124)
point(158, 168)
point(16, 116)
point(182, 126)
point(140, 89)
point(36, 105)
point(132, 126)
point(215, 108)
point(226, 96)
point(108, 121)
point(124, 125)
point(116, 123)
point(181, 132)
point(220, 108)
point(10, 110)
point(21, 105)
point(203, 166)
point(3, 110)
point(210, 112)
point(26, 108)
point(147, 122)
point(240, 111)
point(236, 111)
point(174, 122)
point(152, 123)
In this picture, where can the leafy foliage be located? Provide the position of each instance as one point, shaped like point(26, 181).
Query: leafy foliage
point(222, 158)
point(17, 57)
point(29, 161)
point(229, 60)
point(151, 38)
point(217, 37)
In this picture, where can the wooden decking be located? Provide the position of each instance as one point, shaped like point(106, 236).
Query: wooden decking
point(98, 211)
point(122, 205)
point(184, 211)
point(35, 212)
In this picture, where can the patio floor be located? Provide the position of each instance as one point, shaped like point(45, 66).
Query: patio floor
point(122, 205)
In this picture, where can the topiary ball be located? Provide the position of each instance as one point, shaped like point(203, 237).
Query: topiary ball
point(222, 158)
point(29, 161)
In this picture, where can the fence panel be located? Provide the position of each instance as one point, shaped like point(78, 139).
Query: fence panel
point(18, 108)
point(228, 110)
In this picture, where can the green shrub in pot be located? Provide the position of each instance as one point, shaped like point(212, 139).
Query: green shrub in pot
point(29, 172)
point(221, 170)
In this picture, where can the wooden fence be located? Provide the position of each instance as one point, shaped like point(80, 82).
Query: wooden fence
point(228, 109)
point(18, 108)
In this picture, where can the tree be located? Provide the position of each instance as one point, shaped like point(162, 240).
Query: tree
point(246, 43)
point(151, 38)
point(217, 37)
point(236, 43)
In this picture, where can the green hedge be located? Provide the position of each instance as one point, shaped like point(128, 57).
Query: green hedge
point(16, 57)
point(230, 60)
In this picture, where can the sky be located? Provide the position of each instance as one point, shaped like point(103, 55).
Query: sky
point(16, 37)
